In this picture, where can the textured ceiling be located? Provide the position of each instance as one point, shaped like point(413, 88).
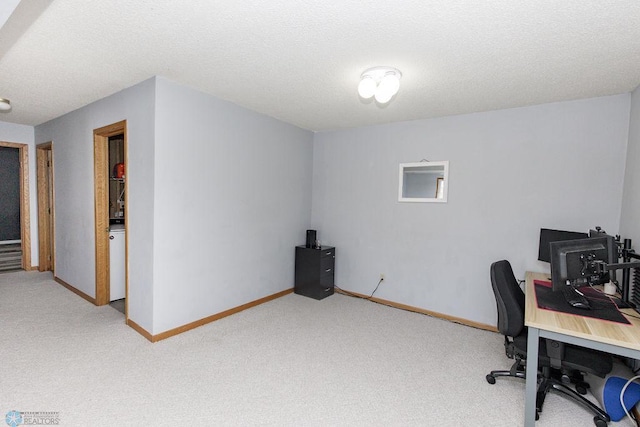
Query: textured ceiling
point(300, 61)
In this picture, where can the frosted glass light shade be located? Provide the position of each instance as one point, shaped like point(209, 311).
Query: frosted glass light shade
point(383, 97)
point(381, 82)
point(367, 87)
point(5, 104)
point(388, 87)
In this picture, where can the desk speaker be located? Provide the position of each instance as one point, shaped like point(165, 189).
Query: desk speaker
point(311, 238)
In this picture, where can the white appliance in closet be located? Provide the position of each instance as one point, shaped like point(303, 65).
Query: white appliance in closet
point(117, 262)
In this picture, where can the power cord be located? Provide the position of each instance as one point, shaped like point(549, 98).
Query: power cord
point(370, 297)
point(360, 296)
point(622, 397)
point(382, 302)
point(377, 286)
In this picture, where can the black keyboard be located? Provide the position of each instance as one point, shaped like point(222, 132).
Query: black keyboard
point(574, 298)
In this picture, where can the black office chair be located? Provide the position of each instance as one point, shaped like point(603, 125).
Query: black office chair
point(556, 360)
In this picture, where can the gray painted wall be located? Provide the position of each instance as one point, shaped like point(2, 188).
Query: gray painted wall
point(72, 136)
point(232, 199)
point(11, 132)
point(22, 134)
point(630, 218)
point(511, 172)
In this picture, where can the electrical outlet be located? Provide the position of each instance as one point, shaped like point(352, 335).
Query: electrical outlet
point(381, 276)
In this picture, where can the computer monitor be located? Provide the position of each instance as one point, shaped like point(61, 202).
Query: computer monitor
point(574, 262)
point(547, 236)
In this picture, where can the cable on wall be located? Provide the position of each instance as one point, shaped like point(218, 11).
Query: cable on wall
point(361, 296)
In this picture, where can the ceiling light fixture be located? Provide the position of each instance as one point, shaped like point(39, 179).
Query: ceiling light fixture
point(381, 82)
point(5, 104)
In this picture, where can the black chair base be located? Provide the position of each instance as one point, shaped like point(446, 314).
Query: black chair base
point(548, 383)
point(517, 371)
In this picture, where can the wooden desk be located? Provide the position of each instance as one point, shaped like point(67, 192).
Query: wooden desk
point(615, 338)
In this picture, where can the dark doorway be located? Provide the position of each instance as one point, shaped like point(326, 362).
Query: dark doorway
point(10, 236)
point(9, 194)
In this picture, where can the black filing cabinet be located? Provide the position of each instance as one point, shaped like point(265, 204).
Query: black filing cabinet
point(315, 271)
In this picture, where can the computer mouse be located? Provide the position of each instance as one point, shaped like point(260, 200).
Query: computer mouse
point(580, 304)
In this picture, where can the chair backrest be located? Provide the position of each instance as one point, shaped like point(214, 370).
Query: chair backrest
point(509, 299)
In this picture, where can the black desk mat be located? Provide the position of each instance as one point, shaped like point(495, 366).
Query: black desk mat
point(601, 305)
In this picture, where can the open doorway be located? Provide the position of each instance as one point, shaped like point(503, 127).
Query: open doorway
point(46, 207)
point(15, 237)
point(110, 180)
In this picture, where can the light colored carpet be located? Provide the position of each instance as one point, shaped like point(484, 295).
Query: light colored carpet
point(293, 361)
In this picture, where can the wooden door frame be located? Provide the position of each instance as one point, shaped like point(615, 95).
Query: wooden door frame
point(46, 208)
point(25, 223)
point(101, 191)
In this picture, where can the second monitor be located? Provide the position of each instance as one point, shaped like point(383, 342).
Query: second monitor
point(548, 235)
